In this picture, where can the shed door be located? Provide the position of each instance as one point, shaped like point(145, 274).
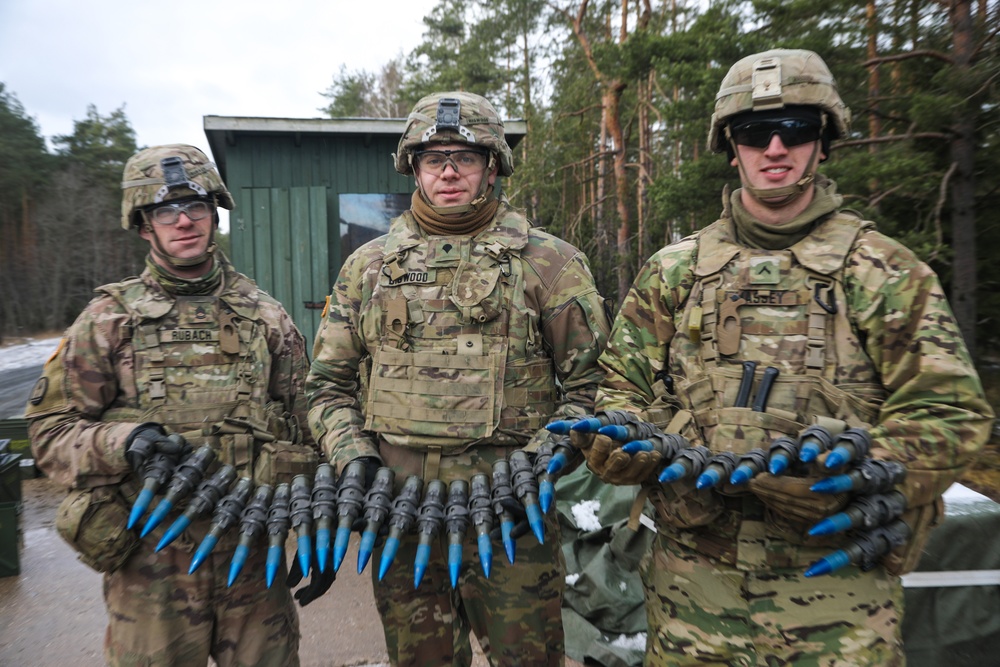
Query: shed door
point(279, 238)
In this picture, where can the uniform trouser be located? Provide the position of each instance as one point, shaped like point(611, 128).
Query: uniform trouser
point(159, 615)
point(701, 612)
point(516, 613)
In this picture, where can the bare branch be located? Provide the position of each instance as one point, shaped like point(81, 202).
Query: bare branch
point(919, 53)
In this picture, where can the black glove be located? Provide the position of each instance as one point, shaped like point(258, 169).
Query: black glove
point(521, 526)
point(151, 438)
point(371, 463)
point(319, 582)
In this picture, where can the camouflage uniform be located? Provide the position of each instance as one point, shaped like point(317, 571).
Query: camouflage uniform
point(139, 353)
point(862, 335)
point(465, 346)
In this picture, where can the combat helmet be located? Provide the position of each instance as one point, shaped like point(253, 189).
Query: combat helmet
point(454, 117)
point(790, 80)
point(777, 79)
point(165, 173)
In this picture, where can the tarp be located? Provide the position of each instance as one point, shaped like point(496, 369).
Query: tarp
point(956, 625)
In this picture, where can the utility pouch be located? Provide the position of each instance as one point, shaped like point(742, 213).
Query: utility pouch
point(685, 507)
point(93, 521)
point(280, 461)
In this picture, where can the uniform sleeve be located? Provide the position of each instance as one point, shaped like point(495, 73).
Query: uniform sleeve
point(78, 384)
point(332, 385)
point(642, 331)
point(289, 365)
point(935, 418)
point(575, 329)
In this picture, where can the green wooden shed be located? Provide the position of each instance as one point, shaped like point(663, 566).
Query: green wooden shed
point(308, 192)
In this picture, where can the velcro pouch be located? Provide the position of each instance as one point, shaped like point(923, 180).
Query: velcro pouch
point(92, 521)
point(280, 461)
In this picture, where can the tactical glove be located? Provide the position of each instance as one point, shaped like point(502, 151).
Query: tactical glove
point(792, 498)
point(151, 438)
point(516, 509)
point(319, 582)
point(607, 460)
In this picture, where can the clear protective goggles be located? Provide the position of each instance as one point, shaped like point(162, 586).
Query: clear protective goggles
point(463, 161)
point(167, 214)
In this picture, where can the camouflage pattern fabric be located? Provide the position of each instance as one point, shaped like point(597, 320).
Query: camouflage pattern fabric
point(516, 613)
point(144, 182)
point(95, 390)
point(534, 315)
point(728, 616)
point(898, 364)
point(480, 125)
point(555, 326)
point(159, 615)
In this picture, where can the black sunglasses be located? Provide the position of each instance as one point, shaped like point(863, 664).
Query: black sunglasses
point(758, 133)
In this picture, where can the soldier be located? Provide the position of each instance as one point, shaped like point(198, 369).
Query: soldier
point(189, 347)
point(469, 330)
point(857, 332)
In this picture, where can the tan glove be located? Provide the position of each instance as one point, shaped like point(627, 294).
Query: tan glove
point(607, 460)
point(791, 497)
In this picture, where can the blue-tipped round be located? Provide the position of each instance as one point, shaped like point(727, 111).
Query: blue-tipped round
point(340, 546)
point(778, 464)
point(556, 463)
point(835, 484)
point(273, 564)
point(837, 457)
point(239, 560)
point(174, 531)
point(809, 452)
point(420, 563)
point(637, 446)
point(741, 475)
point(546, 494)
point(508, 543)
point(707, 479)
point(672, 473)
point(156, 518)
point(832, 524)
point(829, 563)
point(388, 555)
point(305, 548)
point(204, 549)
point(614, 431)
point(365, 549)
point(139, 508)
point(560, 427)
point(536, 522)
point(454, 563)
point(486, 554)
point(322, 548)
point(587, 425)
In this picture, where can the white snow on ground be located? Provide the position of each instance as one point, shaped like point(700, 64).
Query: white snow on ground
point(635, 642)
point(585, 514)
point(32, 353)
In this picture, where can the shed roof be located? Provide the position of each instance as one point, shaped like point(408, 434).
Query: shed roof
point(222, 130)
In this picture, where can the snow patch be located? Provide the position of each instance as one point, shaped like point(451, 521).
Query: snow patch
point(32, 353)
point(585, 515)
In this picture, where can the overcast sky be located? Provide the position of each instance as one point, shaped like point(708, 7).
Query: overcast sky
point(170, 63)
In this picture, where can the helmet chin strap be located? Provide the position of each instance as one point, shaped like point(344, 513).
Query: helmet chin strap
point(786, 194)
point(178, 262)
point(473, 205)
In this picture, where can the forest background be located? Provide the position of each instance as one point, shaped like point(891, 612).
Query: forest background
point(617, 98)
